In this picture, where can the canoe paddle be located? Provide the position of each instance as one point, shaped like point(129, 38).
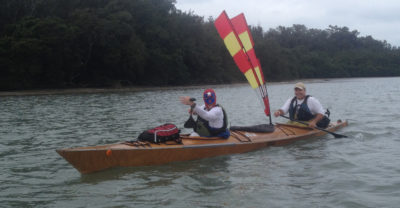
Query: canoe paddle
point(190, 123)
point(334, 134)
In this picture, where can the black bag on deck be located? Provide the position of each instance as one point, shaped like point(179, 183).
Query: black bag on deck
point(163, 133)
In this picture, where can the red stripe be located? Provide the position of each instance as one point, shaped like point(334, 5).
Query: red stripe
point(239, 23)
point(242, 62)
point(222, 24)
point(266, 103)
point(253, 58)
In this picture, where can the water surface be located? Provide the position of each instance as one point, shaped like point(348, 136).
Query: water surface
point(362, 170)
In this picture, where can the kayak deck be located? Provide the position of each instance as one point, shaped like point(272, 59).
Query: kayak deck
point(96, 158)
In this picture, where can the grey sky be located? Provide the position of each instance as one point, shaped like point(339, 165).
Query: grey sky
point(378, 18)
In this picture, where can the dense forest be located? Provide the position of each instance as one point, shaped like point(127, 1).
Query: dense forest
point(114, 43)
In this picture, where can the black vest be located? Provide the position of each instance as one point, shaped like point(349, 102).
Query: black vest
point(203, 128)
point(300, 112)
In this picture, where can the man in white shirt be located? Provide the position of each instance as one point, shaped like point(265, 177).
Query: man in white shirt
point(211, 117)
point(311, 110)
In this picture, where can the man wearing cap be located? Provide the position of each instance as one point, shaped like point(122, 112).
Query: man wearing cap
point(302, 107)
point(211, 117)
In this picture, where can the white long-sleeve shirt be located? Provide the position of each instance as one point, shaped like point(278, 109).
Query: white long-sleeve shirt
point(215, 116)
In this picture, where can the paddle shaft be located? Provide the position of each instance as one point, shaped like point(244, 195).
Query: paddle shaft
point(334, 134)
point(190, 123)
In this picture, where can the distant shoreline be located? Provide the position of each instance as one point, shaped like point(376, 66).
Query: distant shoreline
point(148, 88)
point(103, 90)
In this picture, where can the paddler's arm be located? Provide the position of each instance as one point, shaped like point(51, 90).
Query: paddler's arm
point(213, 114)
point(313, 123)
point(317, 109)
point(279, 113)
point(186, 100)
point(210, 115)
point(284, 109)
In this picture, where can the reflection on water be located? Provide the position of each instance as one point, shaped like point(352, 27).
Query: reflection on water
point(359, 171)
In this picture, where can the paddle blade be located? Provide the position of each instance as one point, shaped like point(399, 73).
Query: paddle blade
point(190, 123)
point(338, 135)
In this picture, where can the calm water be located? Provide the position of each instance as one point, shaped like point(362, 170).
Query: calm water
point(360, 171)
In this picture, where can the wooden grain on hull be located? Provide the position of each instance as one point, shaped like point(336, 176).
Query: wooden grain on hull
point(91, 159)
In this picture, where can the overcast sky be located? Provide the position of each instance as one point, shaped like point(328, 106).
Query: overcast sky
point(378, 18)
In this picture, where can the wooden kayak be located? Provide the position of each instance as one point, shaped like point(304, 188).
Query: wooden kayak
point(125, 154)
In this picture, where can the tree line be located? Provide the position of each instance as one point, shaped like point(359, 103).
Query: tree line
point(114, 43)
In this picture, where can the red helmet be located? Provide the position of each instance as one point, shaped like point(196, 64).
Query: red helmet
point(209, 97)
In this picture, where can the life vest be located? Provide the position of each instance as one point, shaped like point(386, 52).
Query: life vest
point(300, 112)
point(203, 128)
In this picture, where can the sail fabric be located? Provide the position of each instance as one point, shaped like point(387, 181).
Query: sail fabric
point(235, 48)
point(240, 25)
point(239, 42)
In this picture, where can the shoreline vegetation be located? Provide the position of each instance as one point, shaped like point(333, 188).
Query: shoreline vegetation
point(99, 44)
point(107, 90)
point(104, 90)
point(152, 88)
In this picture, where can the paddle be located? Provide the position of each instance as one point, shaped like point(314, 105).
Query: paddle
point(334, 134)
point(190, 123)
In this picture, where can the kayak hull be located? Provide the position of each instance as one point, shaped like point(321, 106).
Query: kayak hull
point(96, 158)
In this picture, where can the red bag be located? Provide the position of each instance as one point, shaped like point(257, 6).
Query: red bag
point(163, 133)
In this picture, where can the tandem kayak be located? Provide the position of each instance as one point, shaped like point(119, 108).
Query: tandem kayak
point(130, 154)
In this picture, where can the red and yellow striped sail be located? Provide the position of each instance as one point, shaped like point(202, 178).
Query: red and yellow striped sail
point(240, 44)
point(240, 25)
point(236, 48)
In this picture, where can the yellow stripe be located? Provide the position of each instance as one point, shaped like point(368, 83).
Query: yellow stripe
point(259, 74)
point(245, 38)
point(250, 77)
point(232, 43)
